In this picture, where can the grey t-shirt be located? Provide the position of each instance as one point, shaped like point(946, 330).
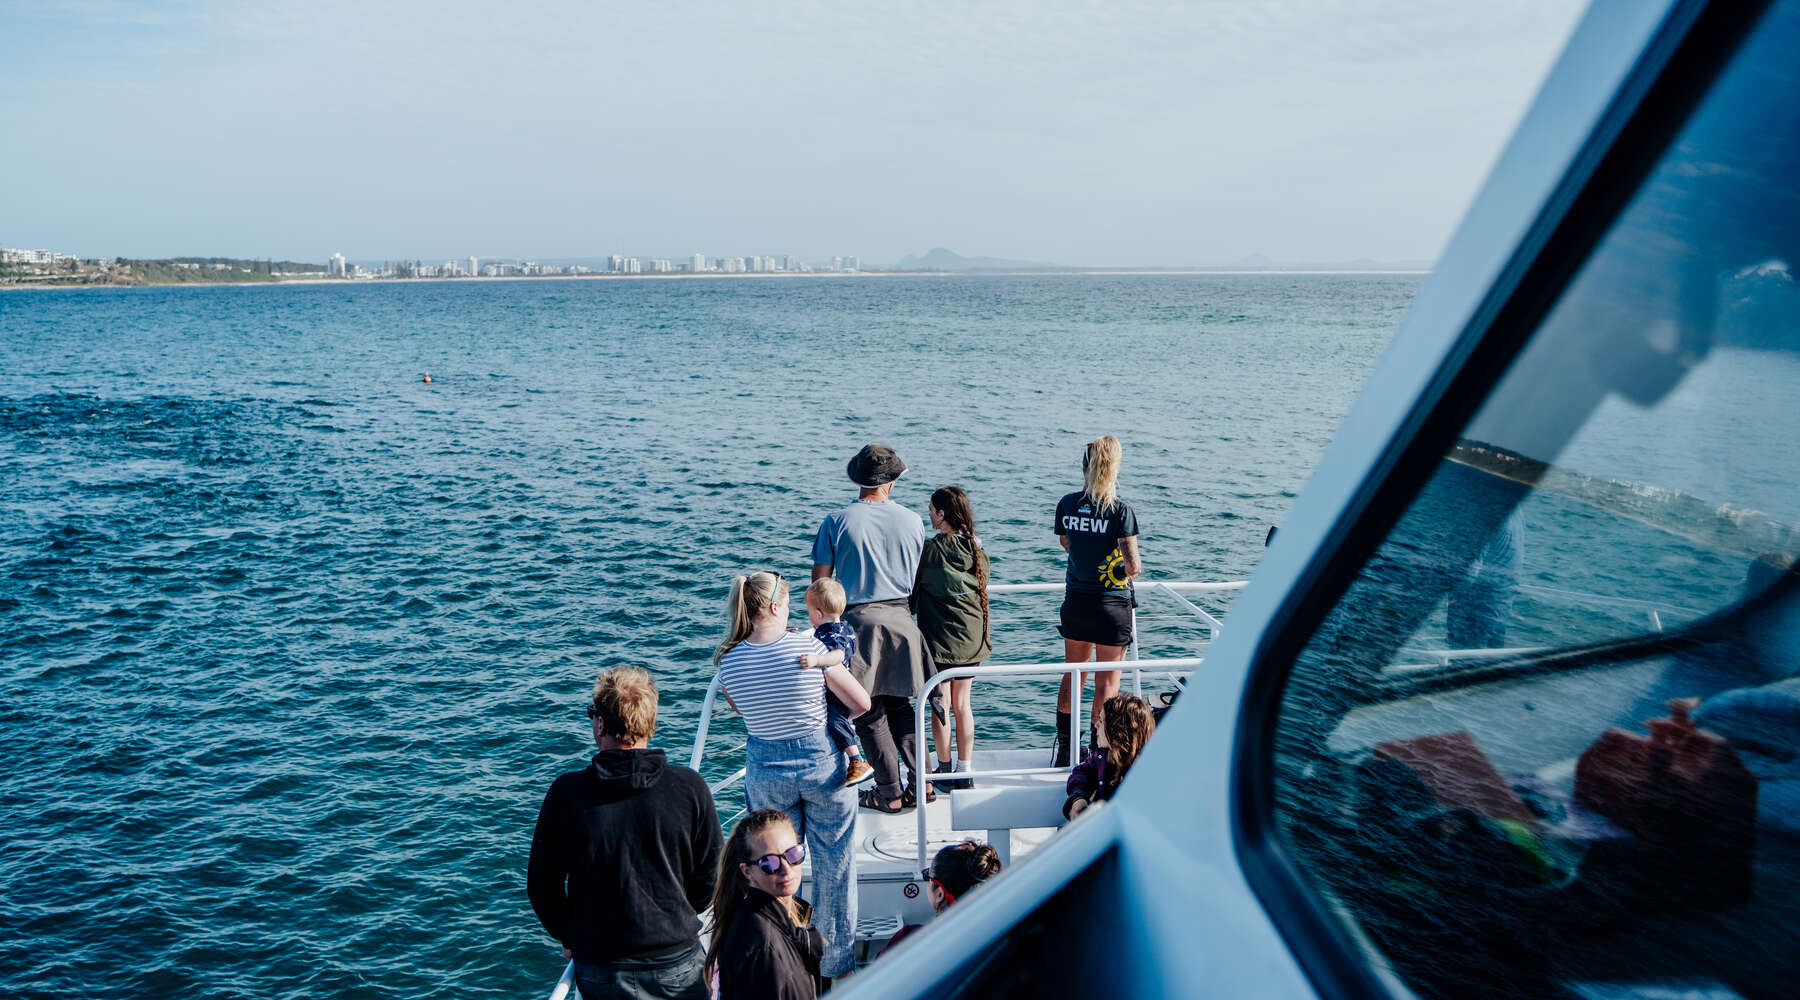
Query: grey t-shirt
point(873, 549)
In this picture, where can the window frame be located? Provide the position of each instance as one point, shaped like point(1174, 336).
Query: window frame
point(1675, 71)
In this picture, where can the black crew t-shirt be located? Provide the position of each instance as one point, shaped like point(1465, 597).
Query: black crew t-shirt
point(1096, 566)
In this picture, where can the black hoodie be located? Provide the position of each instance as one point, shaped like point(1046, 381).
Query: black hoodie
point(625, 855)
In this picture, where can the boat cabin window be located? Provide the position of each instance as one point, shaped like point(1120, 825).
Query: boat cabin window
point(1547, 743)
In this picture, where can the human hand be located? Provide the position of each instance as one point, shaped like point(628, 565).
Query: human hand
point(809, 660)
point(568, 955)
point(1076, 807)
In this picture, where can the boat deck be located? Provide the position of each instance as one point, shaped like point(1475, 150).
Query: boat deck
point(1011, 812)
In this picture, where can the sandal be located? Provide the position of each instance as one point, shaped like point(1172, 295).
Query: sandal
point(910, 797)
point(870, 798)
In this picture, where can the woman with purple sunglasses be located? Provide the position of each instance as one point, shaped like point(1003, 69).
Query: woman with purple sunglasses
point(763, 942)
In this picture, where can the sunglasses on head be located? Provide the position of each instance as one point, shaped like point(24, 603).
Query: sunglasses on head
point(771, 863)
point(928, 876)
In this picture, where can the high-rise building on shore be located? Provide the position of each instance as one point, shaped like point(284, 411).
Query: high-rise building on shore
point(335, 266)
point(697, 262)
point(474, 266)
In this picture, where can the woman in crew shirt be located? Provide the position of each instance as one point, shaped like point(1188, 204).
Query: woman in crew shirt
point(793, 766)
point(1099, 531)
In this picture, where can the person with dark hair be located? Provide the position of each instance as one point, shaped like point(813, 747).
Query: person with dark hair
point(624, 855)
point(763, 942)
point(955, 872)
point(872, 547)
point(1127, 724)
point(949, 596)
point(1100, 533)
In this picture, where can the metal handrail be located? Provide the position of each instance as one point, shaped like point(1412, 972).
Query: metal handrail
point(1171, 586)
point(565, 985)
point(1052, 588)
point(1028, 669)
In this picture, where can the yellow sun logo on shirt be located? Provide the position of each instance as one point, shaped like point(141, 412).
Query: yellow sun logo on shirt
point(1112, 571)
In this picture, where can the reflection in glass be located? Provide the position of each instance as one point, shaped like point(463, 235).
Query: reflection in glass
point(1548, 742)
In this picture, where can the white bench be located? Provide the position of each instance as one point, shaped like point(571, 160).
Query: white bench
point(999, 811)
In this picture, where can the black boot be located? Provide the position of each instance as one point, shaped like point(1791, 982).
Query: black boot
point(1061, 758)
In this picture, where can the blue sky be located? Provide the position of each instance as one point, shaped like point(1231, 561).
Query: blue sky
point(1109, 135)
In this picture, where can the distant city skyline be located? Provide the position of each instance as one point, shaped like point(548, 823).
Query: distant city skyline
point(1103, 136)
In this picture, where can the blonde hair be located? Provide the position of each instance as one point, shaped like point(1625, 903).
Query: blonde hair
point(750, 596)
point(625, 703)
point(1100, 470)
point(828, 595)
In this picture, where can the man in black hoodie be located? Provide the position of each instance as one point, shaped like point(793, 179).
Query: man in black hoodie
point(625, 855)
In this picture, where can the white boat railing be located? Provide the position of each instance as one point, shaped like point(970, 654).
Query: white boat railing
point(566, 985)
point(1174, 666)
point(1170, 669)
point(708, 705)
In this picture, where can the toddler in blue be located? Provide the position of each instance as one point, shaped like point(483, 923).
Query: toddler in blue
point(824, 608)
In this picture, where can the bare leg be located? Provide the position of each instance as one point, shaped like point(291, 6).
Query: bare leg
point(965, 717)
point(1106, 684)
point(940, 736)
point(1073, 652)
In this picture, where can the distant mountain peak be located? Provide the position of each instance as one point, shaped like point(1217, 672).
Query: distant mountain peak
point(945, 259)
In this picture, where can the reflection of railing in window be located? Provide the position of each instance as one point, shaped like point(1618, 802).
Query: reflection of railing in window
point(1434, 658)
point(1425, 665)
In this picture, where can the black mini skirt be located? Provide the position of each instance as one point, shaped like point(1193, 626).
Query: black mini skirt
point(1098, 618)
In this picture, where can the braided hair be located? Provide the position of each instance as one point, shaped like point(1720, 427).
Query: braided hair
point(959, 517)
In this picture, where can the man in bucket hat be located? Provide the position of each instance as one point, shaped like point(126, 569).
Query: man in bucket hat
point(872, 547)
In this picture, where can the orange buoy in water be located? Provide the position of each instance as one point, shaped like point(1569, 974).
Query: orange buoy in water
point(427, 377)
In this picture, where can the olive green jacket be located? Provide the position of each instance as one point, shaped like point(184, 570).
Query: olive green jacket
point(947, 600)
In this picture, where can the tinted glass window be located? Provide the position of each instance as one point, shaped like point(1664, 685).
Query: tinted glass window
point(1464, 767)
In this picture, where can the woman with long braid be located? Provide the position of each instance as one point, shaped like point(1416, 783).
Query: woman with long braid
point(949, 596)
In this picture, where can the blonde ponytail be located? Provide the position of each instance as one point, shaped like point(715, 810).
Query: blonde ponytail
point(750, 596)
point(1100, 470)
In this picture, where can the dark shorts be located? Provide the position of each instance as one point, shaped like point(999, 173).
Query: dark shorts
point(1098, 618)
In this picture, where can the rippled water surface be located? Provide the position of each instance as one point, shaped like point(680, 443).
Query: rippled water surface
point(292, 642)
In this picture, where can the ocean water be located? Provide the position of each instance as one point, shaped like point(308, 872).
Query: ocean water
point(291, 642)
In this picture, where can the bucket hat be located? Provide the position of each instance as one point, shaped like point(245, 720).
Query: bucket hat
point(875, 465)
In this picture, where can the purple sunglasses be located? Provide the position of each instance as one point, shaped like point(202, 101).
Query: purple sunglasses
point(771, 863)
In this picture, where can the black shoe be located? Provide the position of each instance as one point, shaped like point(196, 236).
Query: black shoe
point(1060, 754)
point(943, 767)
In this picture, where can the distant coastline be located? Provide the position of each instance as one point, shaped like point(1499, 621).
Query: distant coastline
point(715, 276)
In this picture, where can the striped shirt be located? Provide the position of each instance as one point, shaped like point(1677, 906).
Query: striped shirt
point(779, 699)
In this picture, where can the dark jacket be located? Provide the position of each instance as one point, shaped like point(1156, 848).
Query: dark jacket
point(765, 955)
point(625, 855)
point(947, 598)
point(1090, 781)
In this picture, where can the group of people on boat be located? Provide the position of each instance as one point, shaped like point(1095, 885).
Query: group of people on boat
point(627, 851)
